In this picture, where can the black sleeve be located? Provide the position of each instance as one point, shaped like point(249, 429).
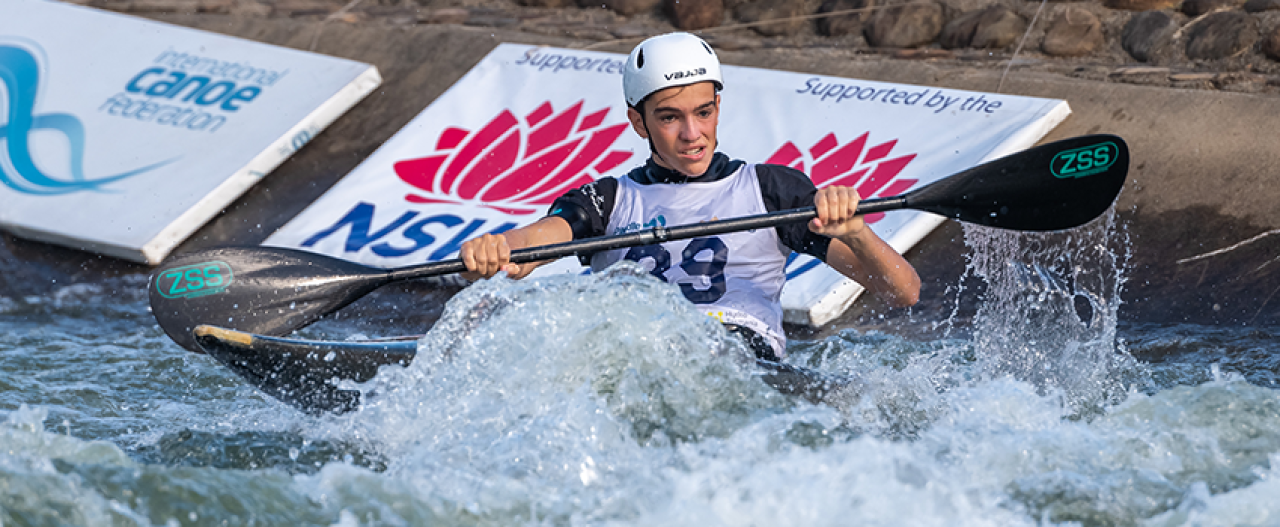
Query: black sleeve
point(785, 188)
point(587, 208)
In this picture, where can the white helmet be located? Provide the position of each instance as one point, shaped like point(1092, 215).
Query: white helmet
point(673, 59)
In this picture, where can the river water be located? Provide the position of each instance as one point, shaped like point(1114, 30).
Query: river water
point(606, 400)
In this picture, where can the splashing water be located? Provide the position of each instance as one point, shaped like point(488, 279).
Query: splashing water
point(549, 384)
point(1049, 312)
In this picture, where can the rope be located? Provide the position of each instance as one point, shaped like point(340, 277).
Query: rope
point(1018, 49)
point(315, 39)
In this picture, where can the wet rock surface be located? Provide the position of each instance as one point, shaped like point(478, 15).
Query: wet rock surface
point(994, 27)
point(773, 18)
point(843, 17)
point(1204, 7)
point(692, 16)
point(1221, 35)
point(905, 26)
point(1148, 36)
point(1075, 33)
point(1258, 6)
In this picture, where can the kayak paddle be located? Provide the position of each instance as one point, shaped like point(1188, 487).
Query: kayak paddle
point(274, 291)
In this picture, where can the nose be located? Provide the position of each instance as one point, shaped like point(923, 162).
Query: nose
point(689, 130)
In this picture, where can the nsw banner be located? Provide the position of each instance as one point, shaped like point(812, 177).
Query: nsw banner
point(122, 136)
point(528, 123)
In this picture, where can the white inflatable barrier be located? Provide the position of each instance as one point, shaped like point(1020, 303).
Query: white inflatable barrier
point(123, 136)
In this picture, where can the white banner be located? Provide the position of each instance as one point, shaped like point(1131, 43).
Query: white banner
point(528, 123)
point(123, 136)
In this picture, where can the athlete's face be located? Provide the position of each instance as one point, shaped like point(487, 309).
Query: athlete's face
point(681, 122)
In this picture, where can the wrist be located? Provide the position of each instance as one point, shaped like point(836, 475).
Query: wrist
point(856, 240)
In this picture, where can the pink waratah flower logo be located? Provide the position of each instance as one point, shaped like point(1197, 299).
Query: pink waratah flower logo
point(516, 166)
point(868, 170)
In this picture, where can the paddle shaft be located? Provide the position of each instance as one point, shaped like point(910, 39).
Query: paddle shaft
point(645, 237)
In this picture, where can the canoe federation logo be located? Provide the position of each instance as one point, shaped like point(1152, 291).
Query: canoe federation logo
point(20, 77)
point(516, 165)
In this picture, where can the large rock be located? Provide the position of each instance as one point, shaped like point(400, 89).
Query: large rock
point(1141, 5)
point(1149, 35)
point(1221, 35)
point(547, 3)
point(691, 15)
point(846, 24)
point(448, 15)
point(252, 8)
point(787, 14)
point(623, 7)
point(1271, 44)
point(905, 26)
point(1076, 32)
point(1258, 6)
point(991, 28)
point(179, 6)
point(1199, 7)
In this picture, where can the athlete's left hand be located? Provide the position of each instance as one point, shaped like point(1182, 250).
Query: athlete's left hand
point(837, 212)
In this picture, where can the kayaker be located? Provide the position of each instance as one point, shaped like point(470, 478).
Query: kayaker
point(672, 87)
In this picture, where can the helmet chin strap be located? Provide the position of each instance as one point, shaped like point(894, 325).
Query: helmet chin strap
point(648, 136)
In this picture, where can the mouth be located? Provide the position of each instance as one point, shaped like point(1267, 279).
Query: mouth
point(693, 152)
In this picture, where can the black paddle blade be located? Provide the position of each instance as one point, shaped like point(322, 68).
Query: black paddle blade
point(1050, 187)
point(263, 290)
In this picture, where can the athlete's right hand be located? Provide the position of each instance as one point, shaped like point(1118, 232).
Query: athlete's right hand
point(486, 255)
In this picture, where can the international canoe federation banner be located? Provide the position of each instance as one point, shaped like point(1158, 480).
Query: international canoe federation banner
point(528, 123)
point(123, 136)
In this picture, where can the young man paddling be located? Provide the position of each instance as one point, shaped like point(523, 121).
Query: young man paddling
point(671, 83)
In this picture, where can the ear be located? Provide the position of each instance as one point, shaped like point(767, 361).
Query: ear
point(637, 122)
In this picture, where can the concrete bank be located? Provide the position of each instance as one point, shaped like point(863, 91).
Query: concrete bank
point(1197, 210)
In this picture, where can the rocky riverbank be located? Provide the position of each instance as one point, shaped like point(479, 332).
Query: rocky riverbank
point(1231, 45)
